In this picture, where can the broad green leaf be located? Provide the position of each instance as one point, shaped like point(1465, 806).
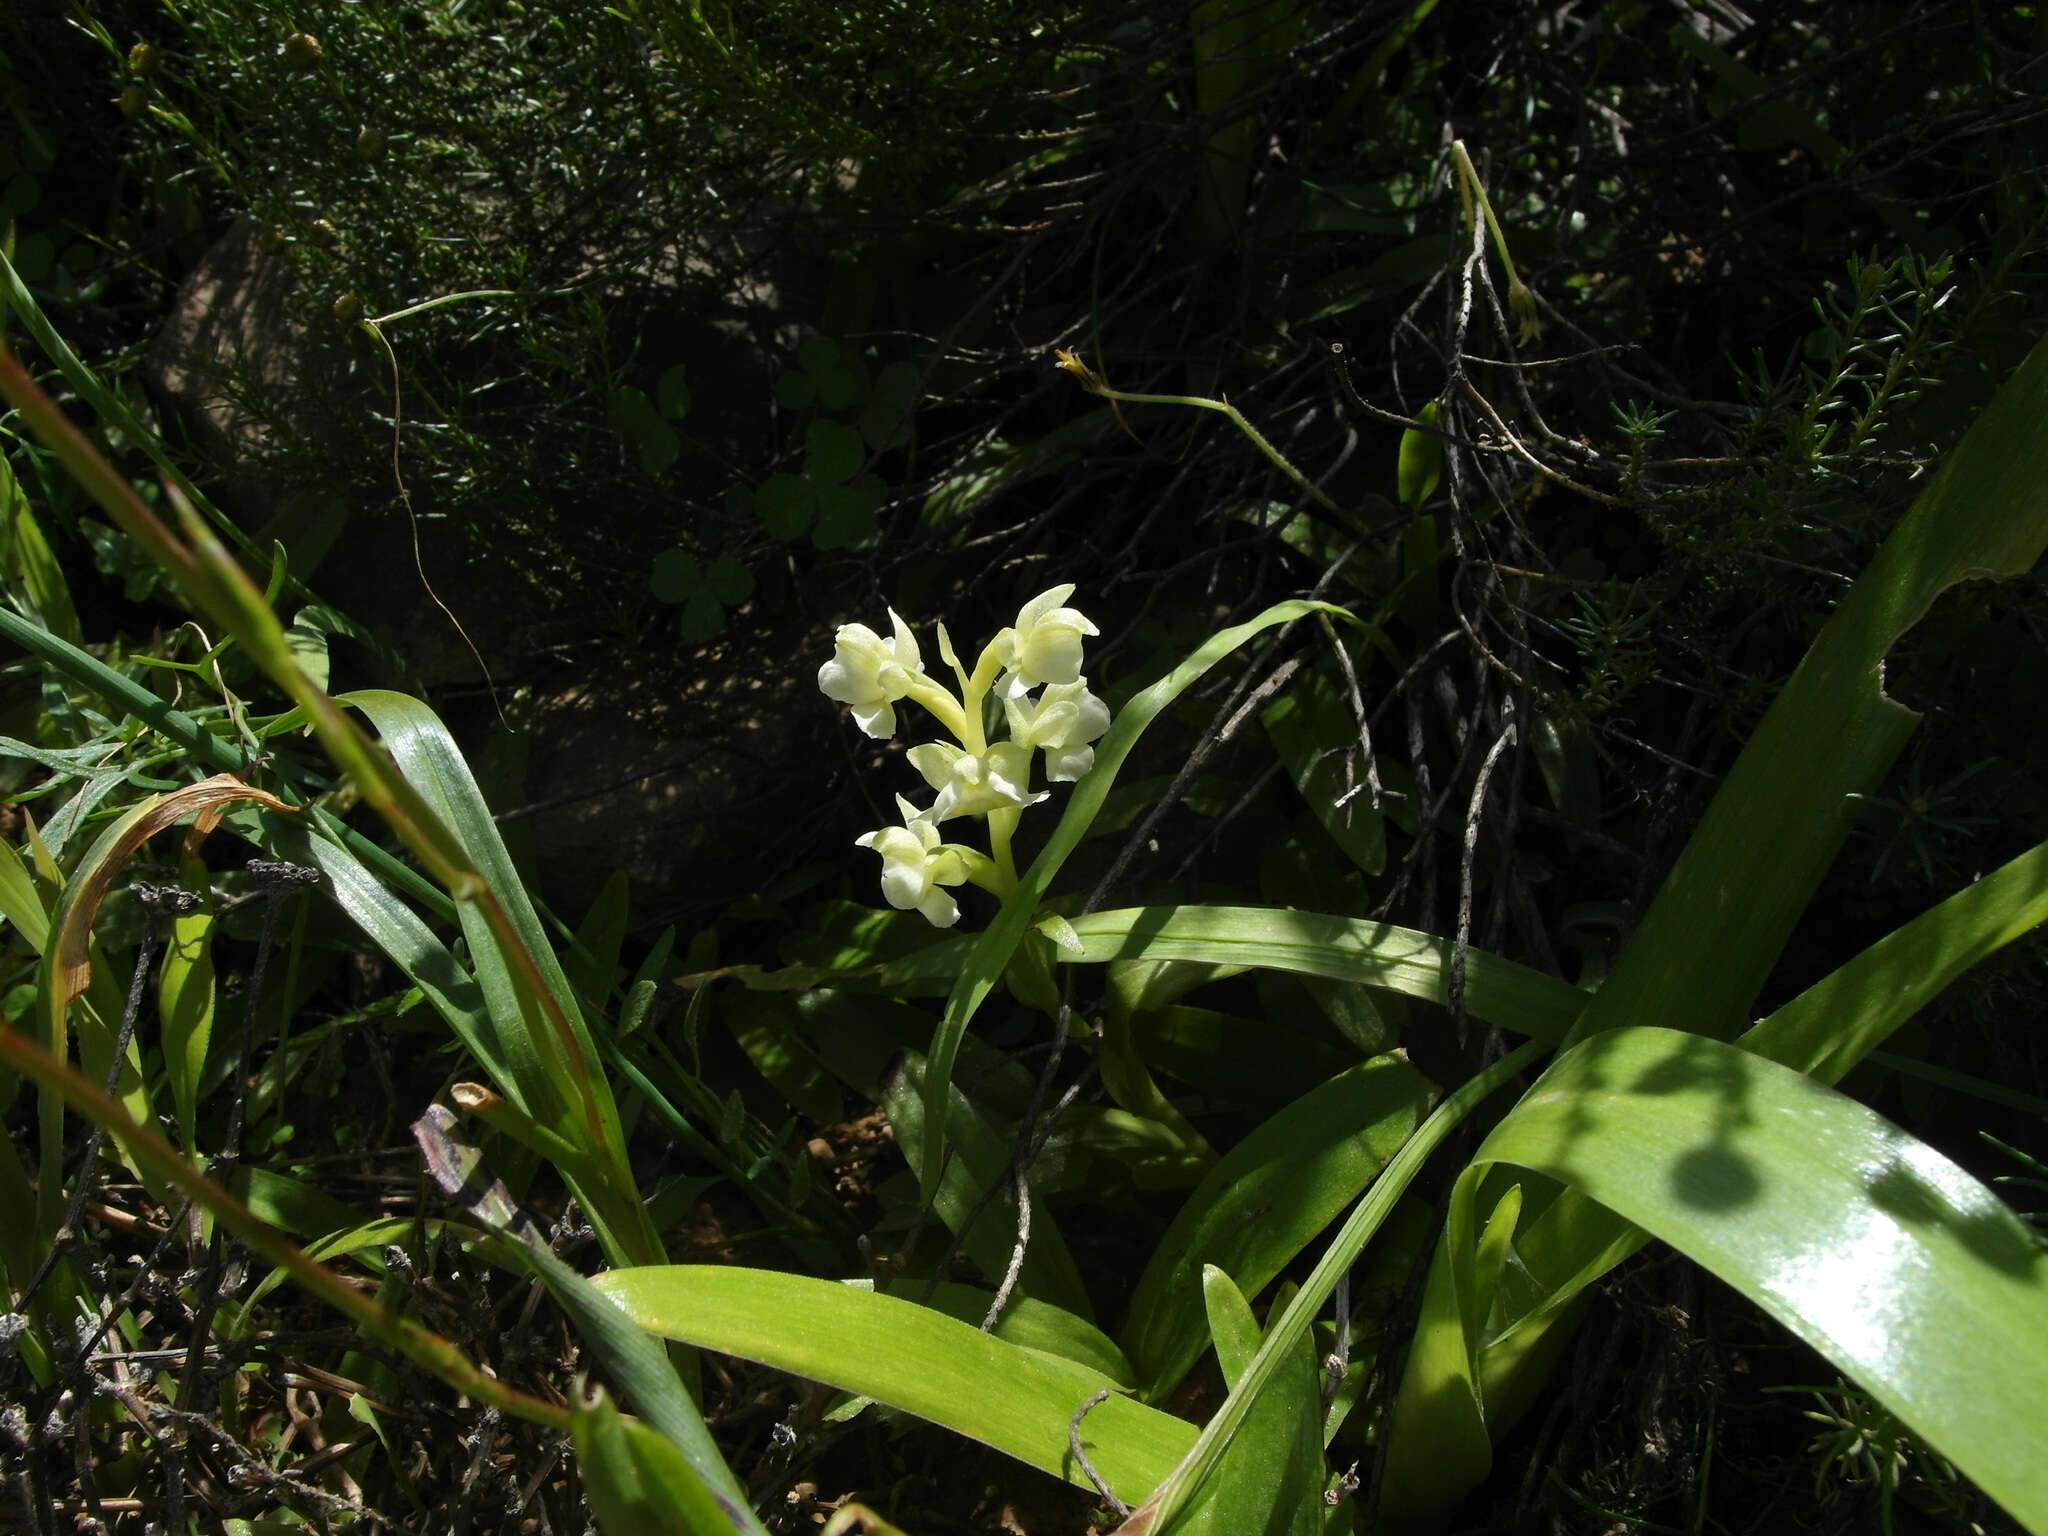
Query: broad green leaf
point(302, 1209)
point(762, 1024)
point(672, 392)
point(1911, 1277)
point(1317, 739)
point(1025, 1322)
point(846, 514)
point(729, 580)
point(1342, 948)
point(307, 640)
point(990, 956)
point(1265, 1202)
point(413, 947)
point(1270, 1480)
point(1842, 1017)
point(1017, 1400)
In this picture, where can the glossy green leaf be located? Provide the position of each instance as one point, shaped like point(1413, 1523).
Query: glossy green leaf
point(1264, 1203)
point(1905, 1272)
point(412, 946)
point(1837, 1021)
point(1743, 880)
point(1344, 948)
point(1017, 1400)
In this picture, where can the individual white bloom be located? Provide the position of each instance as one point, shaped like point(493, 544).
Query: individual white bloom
point(1062, 721)
point(915, 864)
point(871, 673)
point(1045, 644)
point(973, 786)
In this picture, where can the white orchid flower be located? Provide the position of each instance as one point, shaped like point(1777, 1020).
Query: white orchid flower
point(870, 673)
point(915, 865)
point(1062, 721)
point(1045, 644)
point(971, 785)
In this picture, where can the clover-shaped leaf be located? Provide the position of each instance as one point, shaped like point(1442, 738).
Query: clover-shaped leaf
point(634, 417)
point(846, 513)
point(672, 393)
point(833, 453)
point(703, 592)
point(786, 504)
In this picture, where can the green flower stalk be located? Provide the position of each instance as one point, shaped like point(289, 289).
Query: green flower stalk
point(972, 776)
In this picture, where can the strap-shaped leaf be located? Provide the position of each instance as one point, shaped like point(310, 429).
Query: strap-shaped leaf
point(1014, 1399)
point(1906, 1273)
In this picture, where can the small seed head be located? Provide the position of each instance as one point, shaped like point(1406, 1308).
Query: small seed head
point(144, 60)
point(348, 309)
point(370, 145)
point(301, 51)
point(134, 100)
